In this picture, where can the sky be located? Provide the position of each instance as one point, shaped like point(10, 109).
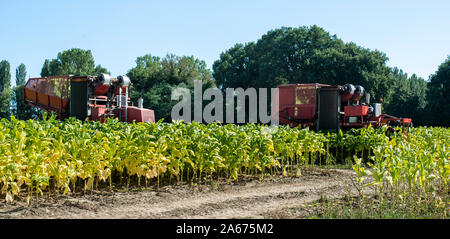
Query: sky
point(415, 35)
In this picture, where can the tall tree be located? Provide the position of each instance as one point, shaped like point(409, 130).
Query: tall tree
point(20, 109)
point(237, 67)
point(409, 97)
point(154, 78)
point(73, 61)
point(5, 89)
point(439, 95)
point(303, 55)
point(21, 74)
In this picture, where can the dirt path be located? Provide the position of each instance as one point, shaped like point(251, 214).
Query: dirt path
point(247, 199)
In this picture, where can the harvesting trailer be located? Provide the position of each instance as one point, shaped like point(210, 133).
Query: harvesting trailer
point(93, 97)
point(326, 107)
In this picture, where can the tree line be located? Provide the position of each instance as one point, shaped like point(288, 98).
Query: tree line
point(281, 56)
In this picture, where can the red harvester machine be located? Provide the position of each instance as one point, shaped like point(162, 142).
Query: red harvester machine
point(326, 107)
point(93, 97)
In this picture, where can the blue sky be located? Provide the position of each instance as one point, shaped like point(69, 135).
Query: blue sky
point(415, 35)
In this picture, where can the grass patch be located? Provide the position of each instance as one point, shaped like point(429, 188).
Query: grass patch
point(371, 208)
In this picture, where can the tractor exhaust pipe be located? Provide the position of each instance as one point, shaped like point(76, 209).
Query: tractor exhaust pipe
point(368, 98)
point(140, 103)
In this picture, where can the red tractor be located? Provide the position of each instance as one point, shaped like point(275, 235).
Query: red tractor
point(326, 107)
point(92, 97)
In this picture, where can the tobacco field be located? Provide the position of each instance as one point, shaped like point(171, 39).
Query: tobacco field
point(38, 157)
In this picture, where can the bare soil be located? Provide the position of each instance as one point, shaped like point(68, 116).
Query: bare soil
point(251, 197)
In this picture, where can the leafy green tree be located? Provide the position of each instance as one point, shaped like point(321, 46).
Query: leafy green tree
point(146, 72)
point(439, 95)
point(236, 67)
point(176, 70)
point(303, 55)
point(409, 97)
point(5, 89)
point(21, 74)
point(20, 109)
point(99, 69)
point(73, 61)
point(154, 78)
point(158, 98)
